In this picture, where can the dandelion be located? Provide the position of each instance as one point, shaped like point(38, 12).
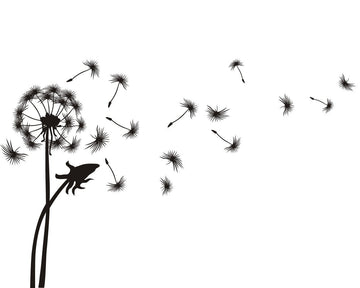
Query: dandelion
point(328, 105)
point(287, 104)
point(101, 138)
point(173, 158)
point(216, 114)
point(92, 66)
point(233, 146)
point(132, 132)
point(191, 107)
point(236, 64)
point(118, 185)
point(345, 84)
point(119, 79)
point(166, 185)
point(13, 156)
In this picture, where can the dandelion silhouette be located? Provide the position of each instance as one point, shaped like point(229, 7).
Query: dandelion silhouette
point(191, 107)
point(92, 66)
point(345, 84)
point(236, 64)
point(166, 185)
point(42, 116)
point(233, 146)
point(328, 105)
point(101, 138)
point(132, 131)
point(287, 104)
point(119, 79)
point(13, 156)
point(173, 158)
point(118, 185)
point(77, 176)
point(216, 114)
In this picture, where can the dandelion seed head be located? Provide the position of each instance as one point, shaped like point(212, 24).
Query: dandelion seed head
point(13, 156)
point(234, 145)
point(216, 114)
point(73, 145)
point(173, 158)
point(134, 129)
point(191, 106)
point(81, 124)
point(93, 66)
point(287, 104)
point(101, 138)
point(329, 106)
point(166, 185)
point(117, 186)
point(235, 64)
point(345, 84)
point(119, 78)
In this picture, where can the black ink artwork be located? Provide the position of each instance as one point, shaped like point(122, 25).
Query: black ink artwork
point(288, 105)
point(233, 146)
point(190, 106)
point(119, 79)
point(92, 66)
point(117, 185)
point(77, 176)
point(166, 185)
point(174, 158)
point(345, 84)
point(12, 155)
point(101, 138)
point(236, 64)
point(328, 105)
point(132, 132)
point(216, 114)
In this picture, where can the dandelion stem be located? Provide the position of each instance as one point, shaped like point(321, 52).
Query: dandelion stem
point(77, 75)
point(35, 108)
point(62, 136)
point(221, 137)
point(112, 171)
point(47, 219)
point(31, 117)
point(42, 103)
point(44, 212)
point(110, 119)
point(66, 114)
point(171, 123)
point(312, 98)
point(242, 78)
point(36, 130)
point(117, 88)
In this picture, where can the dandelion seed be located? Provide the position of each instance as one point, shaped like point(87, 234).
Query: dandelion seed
point(13, 156)
point(287, 104)
point(132, 131)
point(190, 106)
point(345, 84)
point(173, 158)
point(328, 105)
point(118, 185)
point(166, 185)
point(71, 147)
point(233, 146)
point(119, 79)
point(101, 138)
point(236, 64)
point(92, 66)
point(216, 114)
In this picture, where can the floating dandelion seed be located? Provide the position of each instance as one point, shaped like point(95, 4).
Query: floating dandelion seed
point(236, 64)
point(328, 105)
point(174, 158)
point(233, 146)
point(190, 106)
point(345, 84)
point(92, 66)
point(118, 185)
point(101, 138)
point(287, 104)
point(73, 145)
point(216, 114)
point(166, 185)
point(119, 79)
point(132, 131)
point(13, 156)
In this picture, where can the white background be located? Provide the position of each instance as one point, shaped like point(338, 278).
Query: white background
point(281, 212)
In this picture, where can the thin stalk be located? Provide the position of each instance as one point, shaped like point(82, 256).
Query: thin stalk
point(42, 103)
point(31, 117)
point(117, 88)
point(47, 219)
point(312, 98)
point(221, 137)
point(35, 108)
point(44, 212)
point(171, 123)
point(242, 78)
point(77, 75)
point(112, 172)
point(66, 114)
point(117, 124)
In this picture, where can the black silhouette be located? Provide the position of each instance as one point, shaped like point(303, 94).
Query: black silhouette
point(77, 175)
point(288, 104)
point(190, 107)
point(132, 131)
point(43, 117)
point(166, 185)
point(120, 79)
point(101, 138)
point(216, 114)
point(12, 155)
point(92, 66)
point(328, 105)
point(234, 145)
point(345, 84)
point(236, 64)
point(118, 185)
point(174, 158)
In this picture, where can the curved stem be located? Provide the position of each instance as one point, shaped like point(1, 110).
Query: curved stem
point(35, 109)
point(112, 172)
point(312, 98)
point(47, 219)
point(79, 74)
point(36, 234)
point(117, 88)
point(222, 138)
point(120, 125)
point(242, 78)
point(180, 116)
